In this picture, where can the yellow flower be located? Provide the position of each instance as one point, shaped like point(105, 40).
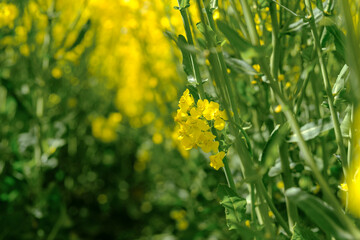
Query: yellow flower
point(219, 124)
point(256, 67)
point(186, 101)
point(216, 160)
point(8, 13)
point(56, 72)
point(157, 138)
point(211, 111)
point(224, 115)
point(344, 187)
point(114, 119)
point(277, 109)
point(202, 105)
point(216, 15)
point(187, 142)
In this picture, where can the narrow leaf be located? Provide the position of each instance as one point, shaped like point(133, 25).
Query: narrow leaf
point(270, 151)
point(318, 212)
point(246, 49)
point(312, 130)
point(187, 65)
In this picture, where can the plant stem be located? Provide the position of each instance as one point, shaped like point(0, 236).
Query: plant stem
point(194, 63)
point(295, 127)
point(283, 149)
point(246, 163)
point(335, 120)
point(228, 175)
point(262, 191)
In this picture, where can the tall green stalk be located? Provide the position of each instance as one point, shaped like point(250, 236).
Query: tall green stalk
point(296, 128)
point(195, 66)
point(334, 118)
point(283, 149)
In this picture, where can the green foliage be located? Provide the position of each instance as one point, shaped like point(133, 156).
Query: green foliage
point(235, 206)
point(320, 213)
point(303, 233)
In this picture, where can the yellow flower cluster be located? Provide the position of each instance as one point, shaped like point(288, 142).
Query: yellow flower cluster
point(195, 130)
point(133, 55)
point(105, 129)
point(8, 13)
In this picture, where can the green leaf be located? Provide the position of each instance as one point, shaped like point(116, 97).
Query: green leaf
point(276, 169)
point(240, 66)
point(270, 151)
point(214, 37)
point(81, 35)
point(246, 49)
point(193, 91)
point(299, 25)
point(186, 56)
point(312, 130)
point(303, 233)
point(319, 4)
point(184, 4)
point(340, 81)
point(235, 207)
point(339, 39)
point(319, 212)
point(346, 123)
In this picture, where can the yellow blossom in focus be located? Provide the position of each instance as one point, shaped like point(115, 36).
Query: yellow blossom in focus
point(219, 123)
point(193, 119)
point(186, 101)
point(216, 160)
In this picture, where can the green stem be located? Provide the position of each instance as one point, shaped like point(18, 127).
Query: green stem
point(282, 222)
point(228, 175)
point(335, 120)
point(291, 208)
point(353, 48)
point(238, 18)
point(295, 127)
point(283, 149)
point(246, 164)
point(249, 20)
point(194, 63)
point(274, 61)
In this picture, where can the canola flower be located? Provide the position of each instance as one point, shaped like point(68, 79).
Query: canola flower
point(351, 186)
point(8, 13)
point(195, 130)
